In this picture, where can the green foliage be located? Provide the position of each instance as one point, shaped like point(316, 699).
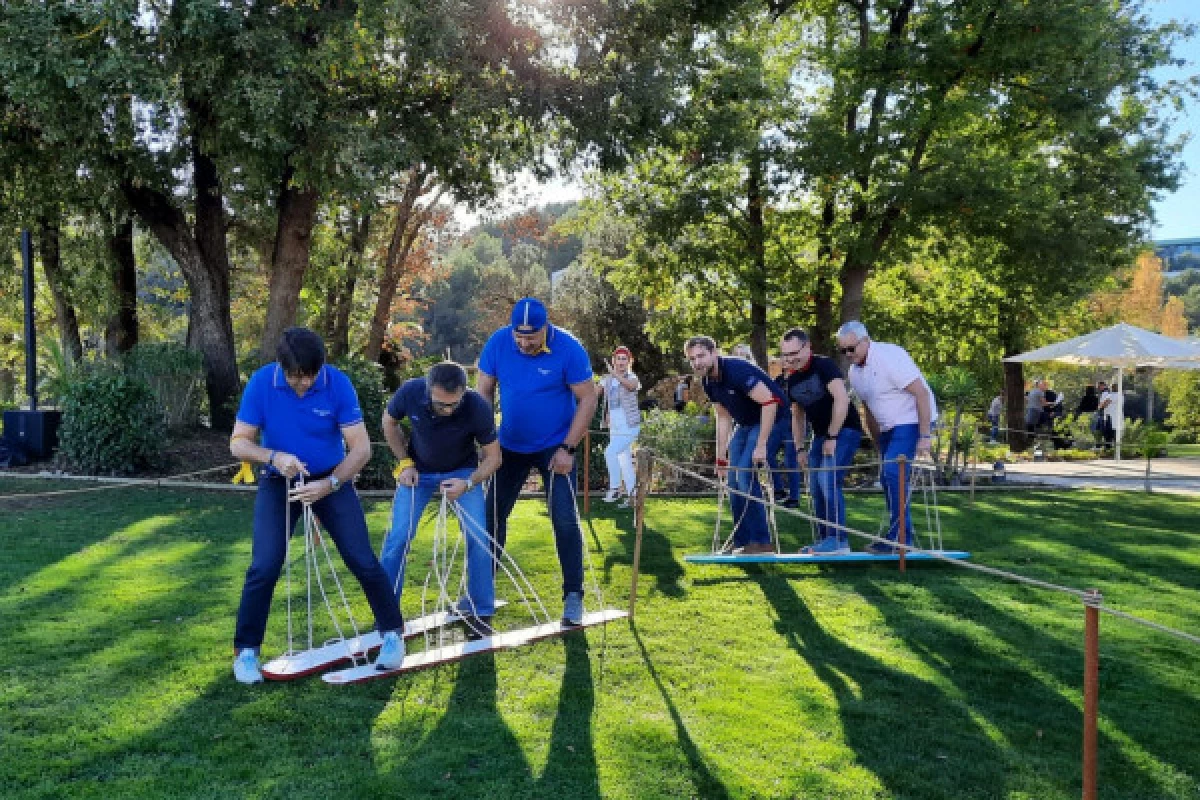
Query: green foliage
point(367, 379)
point(678, 437)
point(112, 423)
point(1182, 390)
point(175, 373)
point(58, 372)
point(1182, 436)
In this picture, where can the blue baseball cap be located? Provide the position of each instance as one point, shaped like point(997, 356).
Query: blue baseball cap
point(528, 315)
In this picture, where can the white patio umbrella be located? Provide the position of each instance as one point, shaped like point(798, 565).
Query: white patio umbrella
point(1119, 346)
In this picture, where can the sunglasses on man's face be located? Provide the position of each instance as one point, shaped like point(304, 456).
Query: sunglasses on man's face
point(849, 349)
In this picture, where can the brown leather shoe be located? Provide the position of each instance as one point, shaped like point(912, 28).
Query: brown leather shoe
point(755, 549)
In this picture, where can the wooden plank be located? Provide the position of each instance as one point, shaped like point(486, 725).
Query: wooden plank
point(457, 652)
point(308, 662)
point(849, 558)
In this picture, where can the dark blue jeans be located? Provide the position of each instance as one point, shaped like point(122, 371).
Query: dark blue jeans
point(900, 440)
point(829, 503)
point(749, 516)
point(781, 439)
point(560, 490)
point(341, 516)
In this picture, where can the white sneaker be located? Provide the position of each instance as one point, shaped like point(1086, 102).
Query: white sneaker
point(245, 667)
point(391, 655)
point(611, 495)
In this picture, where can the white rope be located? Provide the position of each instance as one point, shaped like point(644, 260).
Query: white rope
point(587, 552)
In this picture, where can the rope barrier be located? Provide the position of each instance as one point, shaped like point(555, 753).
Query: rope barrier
point(1079, 594)
point(111, 483)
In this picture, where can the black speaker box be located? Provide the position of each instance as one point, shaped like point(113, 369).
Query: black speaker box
point(34, 433)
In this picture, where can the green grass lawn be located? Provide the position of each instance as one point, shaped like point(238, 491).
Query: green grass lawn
point(811, 682)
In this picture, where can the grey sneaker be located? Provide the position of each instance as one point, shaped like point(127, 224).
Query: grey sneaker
point(245, 667)
point(391, 654)
point(573, 609)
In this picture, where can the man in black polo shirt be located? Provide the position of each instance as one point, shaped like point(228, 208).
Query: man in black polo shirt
point(741, 393)
point(448, 420)
point(816, 391)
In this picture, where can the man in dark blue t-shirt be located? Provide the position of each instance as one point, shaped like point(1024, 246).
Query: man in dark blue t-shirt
point(745, 400)
point(547, 401)
point(448, 422)
point(816, 392)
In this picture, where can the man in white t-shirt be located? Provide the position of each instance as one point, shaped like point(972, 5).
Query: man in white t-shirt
point(899, 410)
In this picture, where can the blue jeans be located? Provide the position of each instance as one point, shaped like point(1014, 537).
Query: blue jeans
point(749, 516)
point(502, 497)
point(341, 516)
point(899, 441)
point(407, 507)
point(995, 427)
point(781, 439)
point(829, 503)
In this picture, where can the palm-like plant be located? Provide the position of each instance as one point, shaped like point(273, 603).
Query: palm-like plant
point(955, 388)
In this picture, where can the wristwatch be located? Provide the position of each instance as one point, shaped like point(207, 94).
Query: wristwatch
point(334, 483)
point(570, 448)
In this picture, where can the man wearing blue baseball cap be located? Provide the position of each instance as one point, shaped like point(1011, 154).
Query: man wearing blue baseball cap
point(547, 401)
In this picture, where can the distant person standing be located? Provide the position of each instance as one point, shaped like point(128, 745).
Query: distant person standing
point(681, 394)
point(899, 410)
point(995, 410)
point(1112, 406)
point(1035, 406)
point(623, 419)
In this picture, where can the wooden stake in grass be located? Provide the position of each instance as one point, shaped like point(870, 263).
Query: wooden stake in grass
point(644, 471)
point(1091, 690)
point(587, 461)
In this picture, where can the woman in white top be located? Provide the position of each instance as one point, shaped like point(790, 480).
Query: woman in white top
point(623, 419)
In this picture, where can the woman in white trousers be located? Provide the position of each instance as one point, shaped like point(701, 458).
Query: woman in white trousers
point(623, 419)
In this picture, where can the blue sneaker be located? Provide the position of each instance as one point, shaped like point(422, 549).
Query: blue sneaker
point(829, 546)
point(573, 609)
point(391, 654)
point(245, 667)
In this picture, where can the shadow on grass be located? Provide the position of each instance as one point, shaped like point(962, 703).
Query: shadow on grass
point(705, 782)
point(1044, 728)
point(657, 559)
point(495, 764)
point(919, 742)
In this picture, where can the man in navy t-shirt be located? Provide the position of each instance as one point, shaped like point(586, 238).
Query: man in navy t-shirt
point(817, 394)
point(448, 421)
point(307, 414)
point(746, 400)
point(547, 401)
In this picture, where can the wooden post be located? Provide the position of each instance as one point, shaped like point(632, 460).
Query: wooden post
point(902, 526)
point(1091, 690)
point(587, 468)
point(639, 516)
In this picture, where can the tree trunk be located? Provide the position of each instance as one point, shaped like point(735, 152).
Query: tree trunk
point(759, 292)
point(853, 280)
point(64, 313)
point(404, 234)
point(289, 261)
point(204, 261)
point(1014, 405)
point(339, 337)
point(121, 333)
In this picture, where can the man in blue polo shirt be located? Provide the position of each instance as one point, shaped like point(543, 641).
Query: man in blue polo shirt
point(547, 401)
point(746, 400)
point(311, 425)
point(448, 421)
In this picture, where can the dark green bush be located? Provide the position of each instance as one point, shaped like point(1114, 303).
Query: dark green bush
point(1183, 436)
point(112, 423)
point(367, 378)
point(175, 374)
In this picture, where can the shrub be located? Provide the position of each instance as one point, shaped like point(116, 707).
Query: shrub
point(112, 423)
point(1183, 436)
point(175, 374)
point(367, 378)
